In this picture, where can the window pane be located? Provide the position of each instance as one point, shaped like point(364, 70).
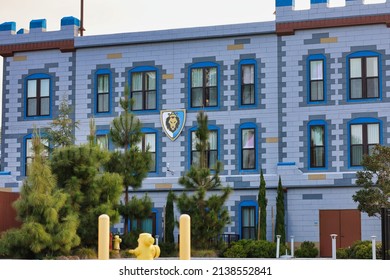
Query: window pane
point(197, 77)
point(150, 81)
point(195, 158)
point(355, 67)
point(356, 134)
point(372, 66)
point(248, 74)
point(103, 103)
point(373, 133)
point(248, 159)
point(136, 81)
point(102, 141)
point(197, 97)
point(29, 148)
point(372, 88)
point(45, 91)
point(102, 83)
point(150, 140)
point(316, 70)
point(151, 100)
point(137, 96)
point(212, 97)
point(152, 166)
point(357, 155)
point(248, 94)
point(248, 216)
point(31, 88)
point(356, 88)
point(248, 138)
point(317, 157)
point(213, 159)
point(211, 76)
point(317, 135)
point(213, 140)
point(194, 141)
point(32, 107)
point(45, 106)
point(317, 91)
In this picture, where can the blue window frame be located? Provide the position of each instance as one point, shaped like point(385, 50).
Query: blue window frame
point(148, 225)
point(363, 135)
point(248, 82)
point(38, 96)
point(316, 77)
point(364, 76)
point(317, 139)
point(248, 218)
point(204, 85)
point(248, 147)
point(103, 91)
point(149, 139)
point(213, 151)
point(144, 88)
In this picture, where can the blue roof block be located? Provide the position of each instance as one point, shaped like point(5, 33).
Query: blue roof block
point(283, 3)
point(8, 26)
point(70, 21)
point(38, 23)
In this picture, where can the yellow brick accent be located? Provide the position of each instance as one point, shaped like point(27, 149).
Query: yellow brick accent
point(235, 47)
point(329, 40)
point(5, 189)
point(20, 58)
point(317, 177)
point(272, 140)
point(163, 186)
point(168, 76)
point(114, 55)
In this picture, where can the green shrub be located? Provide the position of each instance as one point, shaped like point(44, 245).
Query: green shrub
point(86, 253)
point(306, 250)
point(342, 253)
point(129, 240)
point(359, 250)
point(247, 248)
point(204, 253)
point(168, 249)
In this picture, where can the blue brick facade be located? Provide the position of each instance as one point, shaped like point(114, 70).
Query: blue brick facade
point(281, 115)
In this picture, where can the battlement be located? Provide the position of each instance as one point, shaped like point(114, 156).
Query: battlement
point(37, 32)
point(288, 10)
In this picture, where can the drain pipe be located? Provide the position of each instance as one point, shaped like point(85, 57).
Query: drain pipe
point(333, 236)
point(277, 245)
point(373, 244)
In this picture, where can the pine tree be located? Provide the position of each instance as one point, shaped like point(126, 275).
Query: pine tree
point(61, 131)
point(169, 219)
point(262, 204)
point(279, 225)
point(47, 229)
point(207, 212)
point(132, 163)
point(92, 190)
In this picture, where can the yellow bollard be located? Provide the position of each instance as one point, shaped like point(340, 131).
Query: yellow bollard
point(104, 237)
point(185, 237)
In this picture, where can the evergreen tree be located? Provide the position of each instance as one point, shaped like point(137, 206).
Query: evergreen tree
point(61, 131)
point(92, 190)
point(262, 204)
point(132, 163)
point(47, 229)
point(279, 225)
point(169, 219)
point(207, 212)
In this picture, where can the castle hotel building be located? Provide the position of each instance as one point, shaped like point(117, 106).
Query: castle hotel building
point(303, 97)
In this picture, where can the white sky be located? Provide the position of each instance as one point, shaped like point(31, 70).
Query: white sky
point(118, 16)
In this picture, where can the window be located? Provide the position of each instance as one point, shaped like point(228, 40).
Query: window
point(248, 84)
point(38, 96)
point(363, 76)
point(211, 153)
point(147, 225)
point(144, 89)
point(103, 93)
point(204, 86)
point(317, 146)
point(149, 141)
point(248, 222)
point(30, 152)
point(364, 137)
point(316, 80)
point(248, 148)
point(102, 141)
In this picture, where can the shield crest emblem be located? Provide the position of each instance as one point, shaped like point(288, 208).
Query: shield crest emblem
point(173, 122)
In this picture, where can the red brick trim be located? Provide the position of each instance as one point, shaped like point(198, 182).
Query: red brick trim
point(63, 46)
point(289, 28)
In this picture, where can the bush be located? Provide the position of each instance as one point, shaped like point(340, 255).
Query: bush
point(168, 249)
point(247, 248)
point(86, 253)
point(359, 250)
point(306, 250)
point(129, 240)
